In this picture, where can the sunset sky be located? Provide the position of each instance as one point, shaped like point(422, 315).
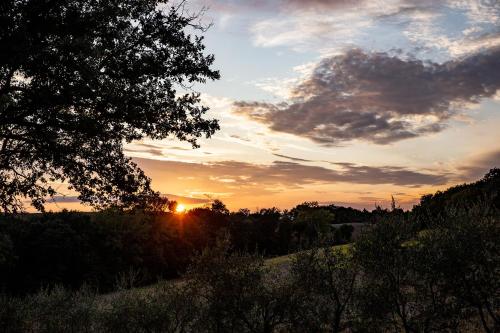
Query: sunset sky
point(344, 102)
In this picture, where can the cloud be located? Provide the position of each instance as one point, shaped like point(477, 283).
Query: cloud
point(153, 152)
point(479, 166)
point(186, 200)
point(379, 98)
point(242, 5)
point(428, 27)
point(311, 30)
point(323, 3)
point(64, 199)
point(295, 159)
point(469, 44)
point(151, 149)
point(330, 26)
point(231, 175)
point(239, 137)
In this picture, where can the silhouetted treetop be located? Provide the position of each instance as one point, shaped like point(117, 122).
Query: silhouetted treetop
point(78, 79)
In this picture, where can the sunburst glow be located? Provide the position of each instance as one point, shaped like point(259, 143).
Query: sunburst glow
point(180, 208)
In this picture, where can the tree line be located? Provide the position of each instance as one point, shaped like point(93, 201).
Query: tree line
point(396, 277)
point(75, 248)
point(71, 249)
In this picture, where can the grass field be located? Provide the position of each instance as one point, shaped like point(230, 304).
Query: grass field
point(285, 261)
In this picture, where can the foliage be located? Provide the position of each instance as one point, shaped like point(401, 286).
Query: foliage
point(462, 261)
point(394, 278)
point(325, 286)
point(72, 249)
point(238, 292)
point(431, 280)
point(312, 224)
point(387, 275)
point(168, 308)
point(12, 314)
point(79, 78)
point(343, 234)
point(442, 205)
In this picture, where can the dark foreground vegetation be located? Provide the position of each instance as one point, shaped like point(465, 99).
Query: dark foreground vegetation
point(434, 269)
point(72, 249)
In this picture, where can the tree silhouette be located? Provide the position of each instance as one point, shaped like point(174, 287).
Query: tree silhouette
point(172, 206)
point(78, 79)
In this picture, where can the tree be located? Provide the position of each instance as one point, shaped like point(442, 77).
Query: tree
point(312, 223)
point(172, 206)
point(438, 279)
point(325, 280)
point(80, 78)
point(219, 207)
point(7, 256)
point(238, 292)
point(461, 258)
point(343, 234)
point(387, 296)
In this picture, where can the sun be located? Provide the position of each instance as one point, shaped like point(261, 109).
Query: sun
point(180, 208)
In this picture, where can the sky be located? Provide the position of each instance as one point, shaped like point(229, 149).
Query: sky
point(340, 102)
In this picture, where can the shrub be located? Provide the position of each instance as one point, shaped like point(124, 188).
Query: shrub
point(238, 293)
point(325, 284)
point(60, 310)
point(166, 307)
point(12, 314)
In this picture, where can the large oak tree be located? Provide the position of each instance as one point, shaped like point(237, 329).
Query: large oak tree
point(78, 78)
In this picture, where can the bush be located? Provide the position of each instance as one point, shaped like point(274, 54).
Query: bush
point(325, 285)
point(164, 308)
point(60, 310)
point(430, 280)
point(239, 293)
point(12, 314)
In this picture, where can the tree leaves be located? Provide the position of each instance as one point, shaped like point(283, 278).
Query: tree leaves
point(79, 78)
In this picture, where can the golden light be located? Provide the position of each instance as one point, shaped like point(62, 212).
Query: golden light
point(180, 208)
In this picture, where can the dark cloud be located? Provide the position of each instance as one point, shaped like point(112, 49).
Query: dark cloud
point(479, 167)
point(179, 198)
point(379, 98)
point(64, 199)
point(239, 137)
point(178, 148)
point(186, 200)
point(154, 152)
point(296, 159)
point(146, 148)
point(242, 175)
